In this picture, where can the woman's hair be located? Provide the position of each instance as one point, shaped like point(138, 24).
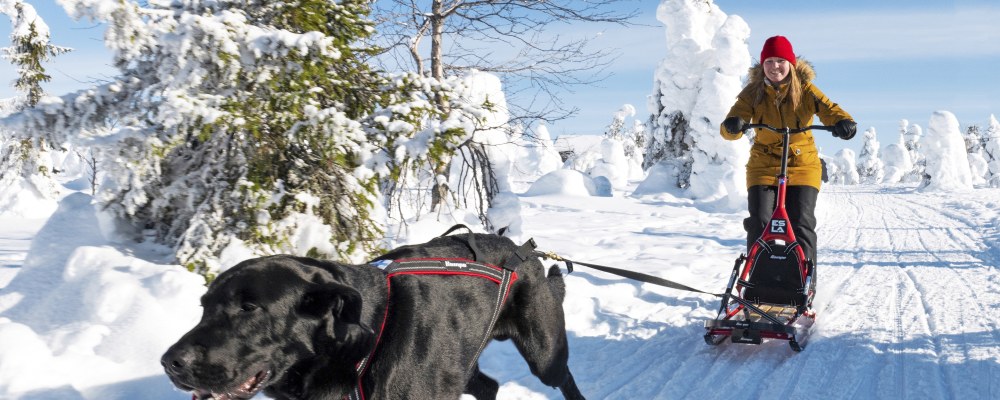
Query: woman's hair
point(754, 90)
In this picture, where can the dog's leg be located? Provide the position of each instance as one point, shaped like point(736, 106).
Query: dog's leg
point(540, 331)
point(481, 386)
point(569, 389)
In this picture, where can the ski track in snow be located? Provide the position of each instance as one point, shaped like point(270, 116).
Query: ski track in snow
point(908, 301)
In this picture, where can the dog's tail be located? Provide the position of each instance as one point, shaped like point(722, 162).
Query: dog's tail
point(556, 282)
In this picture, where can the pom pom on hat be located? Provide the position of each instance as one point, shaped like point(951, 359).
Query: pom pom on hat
point(778, 46)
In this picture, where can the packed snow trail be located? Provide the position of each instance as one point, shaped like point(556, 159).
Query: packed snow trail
point(908, 300)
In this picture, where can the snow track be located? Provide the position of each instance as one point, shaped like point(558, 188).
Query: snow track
point(908, 299)
point(928, 271)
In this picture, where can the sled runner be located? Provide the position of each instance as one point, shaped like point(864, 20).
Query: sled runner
point(771, 289)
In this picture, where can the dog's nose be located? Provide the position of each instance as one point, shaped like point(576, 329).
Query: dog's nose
point(178, 359)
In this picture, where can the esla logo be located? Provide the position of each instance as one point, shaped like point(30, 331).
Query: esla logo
point(778, 226)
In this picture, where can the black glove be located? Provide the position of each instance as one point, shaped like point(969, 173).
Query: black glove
point(733, 125)
point(845, 129)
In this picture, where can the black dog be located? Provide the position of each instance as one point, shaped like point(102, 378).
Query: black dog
point(298, 328)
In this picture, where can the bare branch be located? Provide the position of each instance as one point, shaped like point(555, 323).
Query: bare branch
point(535, 46)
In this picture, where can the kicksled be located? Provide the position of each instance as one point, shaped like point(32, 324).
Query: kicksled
point(771, 289)
point(741, 321)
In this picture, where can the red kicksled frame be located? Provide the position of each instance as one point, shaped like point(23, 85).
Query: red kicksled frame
point(776, 308)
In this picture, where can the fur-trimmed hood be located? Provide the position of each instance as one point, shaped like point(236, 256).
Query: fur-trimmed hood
point(803, 69)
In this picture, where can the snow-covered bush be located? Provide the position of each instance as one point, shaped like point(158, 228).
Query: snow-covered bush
point(944, 149)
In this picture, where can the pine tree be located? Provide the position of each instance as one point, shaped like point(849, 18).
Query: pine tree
point(248, 123)
point(30, 48)
point(870, 167)
point(23, 161)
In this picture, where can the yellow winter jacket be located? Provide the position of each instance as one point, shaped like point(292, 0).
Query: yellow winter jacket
point(765, 155)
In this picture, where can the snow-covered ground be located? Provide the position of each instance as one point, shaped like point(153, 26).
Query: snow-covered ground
point(908, 302)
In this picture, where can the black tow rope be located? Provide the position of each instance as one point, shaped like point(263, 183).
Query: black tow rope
point(625, 274)
point(528, 248)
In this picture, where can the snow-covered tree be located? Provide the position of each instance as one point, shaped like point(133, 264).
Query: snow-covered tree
point(870, 167)
point(911, 134)
point(842, 168)
point(613, 165)
point(974, 147)
point(694, 86)
point(419, 139)
point(616, 130)
point(632, 139)
point(29, 49)
point(26, 173)
point(944, 151)
point(991, 152)
point(536, 155)
point(897, 161)
point(246, 124)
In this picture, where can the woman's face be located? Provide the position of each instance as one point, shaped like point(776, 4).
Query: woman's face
point(776, 69)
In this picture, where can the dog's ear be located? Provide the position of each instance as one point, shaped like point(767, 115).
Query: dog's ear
point(339, 306)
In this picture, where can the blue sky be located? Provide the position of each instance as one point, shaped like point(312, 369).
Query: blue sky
point(881, 60)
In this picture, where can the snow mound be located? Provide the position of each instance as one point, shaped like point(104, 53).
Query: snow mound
point(108, 317)
point(565, 182)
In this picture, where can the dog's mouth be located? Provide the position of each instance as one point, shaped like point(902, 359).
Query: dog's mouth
point(245, 390)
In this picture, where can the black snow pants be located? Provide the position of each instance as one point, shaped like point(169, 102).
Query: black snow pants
point(800, 203)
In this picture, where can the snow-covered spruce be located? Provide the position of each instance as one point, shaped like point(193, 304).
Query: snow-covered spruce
point(247, 125)
point(694, 86)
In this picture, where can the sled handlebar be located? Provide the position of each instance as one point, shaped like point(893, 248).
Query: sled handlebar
point(789, 130)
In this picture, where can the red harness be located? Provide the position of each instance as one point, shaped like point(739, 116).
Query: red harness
point(504, 278)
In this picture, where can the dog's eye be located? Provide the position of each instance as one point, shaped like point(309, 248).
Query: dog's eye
point(248, 307)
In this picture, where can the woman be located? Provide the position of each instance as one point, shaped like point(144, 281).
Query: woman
point(780, 93)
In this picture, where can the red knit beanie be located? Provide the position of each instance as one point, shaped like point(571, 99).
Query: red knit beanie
point(777, 46)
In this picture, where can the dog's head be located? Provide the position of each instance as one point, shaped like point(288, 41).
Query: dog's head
point(260, 319)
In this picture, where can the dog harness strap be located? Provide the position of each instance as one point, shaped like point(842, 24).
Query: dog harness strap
point(504, 278)
point(523, 253)
point(505, 284)
point(471, 239)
